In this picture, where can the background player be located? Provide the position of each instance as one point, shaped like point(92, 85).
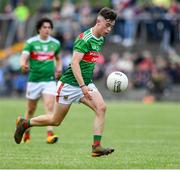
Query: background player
point(38, 58)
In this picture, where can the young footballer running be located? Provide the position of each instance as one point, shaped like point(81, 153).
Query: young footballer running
point(76, 84)
point(38, 58)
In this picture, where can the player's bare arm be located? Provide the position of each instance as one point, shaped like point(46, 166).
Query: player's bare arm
point(24, 62)
point(77, 57)
point(58, 66)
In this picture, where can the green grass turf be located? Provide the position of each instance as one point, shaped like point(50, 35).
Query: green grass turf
point(144, 136)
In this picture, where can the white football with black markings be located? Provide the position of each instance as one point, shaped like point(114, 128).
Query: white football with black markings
point(117, 82)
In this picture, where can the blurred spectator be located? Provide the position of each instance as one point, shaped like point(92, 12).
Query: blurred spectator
point(125, 28)
point(174, 67)
point(67, 41)
point(173, 56)
point(8, 10)
point(68, 9)
point(7, 76)
point(157, 85)
point(21, 13)
point(18, 80)
point(112, 64)
point(125, 64)
point(13, 61)
point(86, 18)
point(143, 67)
point(169, 27)
point(147, 63)
point(66, 59)
point(19, 83)
point(14, 3)
point(129, 24)
point(162, 3)
point(55, 15)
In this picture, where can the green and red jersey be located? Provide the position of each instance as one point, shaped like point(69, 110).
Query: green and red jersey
point(91, 46)
point(41, 58)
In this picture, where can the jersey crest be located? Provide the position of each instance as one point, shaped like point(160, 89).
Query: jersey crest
point(81, 35)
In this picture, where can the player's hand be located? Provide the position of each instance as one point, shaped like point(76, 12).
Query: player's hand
point(58, 74)
point(24, 68)
point(86, 90)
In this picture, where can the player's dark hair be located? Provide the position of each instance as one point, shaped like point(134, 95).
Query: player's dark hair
point(41, 22)
point(108, 13)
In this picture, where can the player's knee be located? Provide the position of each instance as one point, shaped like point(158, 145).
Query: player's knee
point(101, 109)
point(55, 122)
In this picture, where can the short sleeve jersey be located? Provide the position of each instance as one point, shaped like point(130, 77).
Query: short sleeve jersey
point(91, 46)
point(41, 58)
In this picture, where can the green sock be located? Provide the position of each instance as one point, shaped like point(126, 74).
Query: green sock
point(28, 123)
point(97, 140)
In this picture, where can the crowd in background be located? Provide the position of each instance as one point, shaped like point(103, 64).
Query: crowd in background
point(156, 21)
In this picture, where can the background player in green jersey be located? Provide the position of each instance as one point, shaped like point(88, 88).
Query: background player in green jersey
point(76, 83)
point(38, 58)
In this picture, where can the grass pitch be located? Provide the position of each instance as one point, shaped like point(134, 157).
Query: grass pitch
point(144, 136)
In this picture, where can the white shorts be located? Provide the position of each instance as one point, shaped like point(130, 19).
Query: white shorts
point(35, 90)
point(67, 94)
